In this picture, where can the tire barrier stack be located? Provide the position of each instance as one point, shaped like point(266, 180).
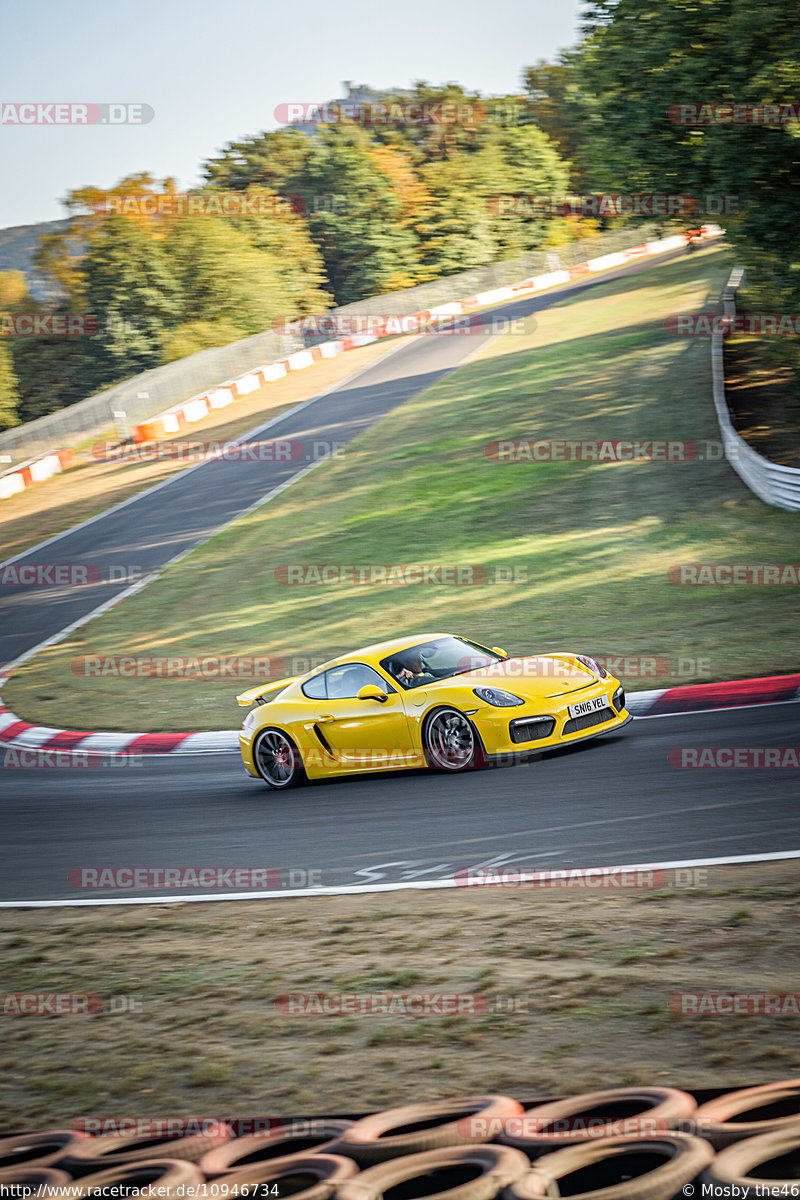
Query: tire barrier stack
point(634, 1143)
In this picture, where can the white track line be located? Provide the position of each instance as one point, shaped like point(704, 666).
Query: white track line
point(361, 889)
point(695, 712)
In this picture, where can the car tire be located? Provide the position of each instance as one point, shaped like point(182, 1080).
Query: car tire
point(139, 1177)
point(39, 1150)
point(428, 1125)
point(273, 1147)
point(451, 742)
point(104, 1151)
point(277, 760)
point(628, 1111)
point(617, 1168)
point(723, 1120)
point(450, 1173)
point(301, 1176)
point(769, 1161)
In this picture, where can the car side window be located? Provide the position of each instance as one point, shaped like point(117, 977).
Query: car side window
point(347, 681)
point(315, 688)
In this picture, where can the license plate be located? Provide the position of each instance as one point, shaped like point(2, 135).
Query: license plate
point(584, 707)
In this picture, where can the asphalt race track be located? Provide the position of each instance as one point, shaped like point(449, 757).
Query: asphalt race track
point(611, 801)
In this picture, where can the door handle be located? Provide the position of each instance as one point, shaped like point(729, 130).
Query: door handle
point(325, 719)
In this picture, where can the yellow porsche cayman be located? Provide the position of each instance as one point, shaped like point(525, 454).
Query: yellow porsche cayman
point(434, 700)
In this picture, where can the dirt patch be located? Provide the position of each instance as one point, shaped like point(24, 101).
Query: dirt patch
point(764, 399)
point(577, 985)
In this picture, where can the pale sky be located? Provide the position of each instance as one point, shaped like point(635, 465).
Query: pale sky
point(214, 71)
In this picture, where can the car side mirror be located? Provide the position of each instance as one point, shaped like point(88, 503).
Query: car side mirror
point(499, 650)
point(371, 691)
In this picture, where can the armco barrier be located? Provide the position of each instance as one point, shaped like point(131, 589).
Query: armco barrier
point(310, 350)
point(774, 484)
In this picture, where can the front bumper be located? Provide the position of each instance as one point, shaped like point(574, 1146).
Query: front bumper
point(534, 750)
point(545, 723)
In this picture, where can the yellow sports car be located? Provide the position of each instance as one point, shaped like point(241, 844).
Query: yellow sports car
point(433, 700)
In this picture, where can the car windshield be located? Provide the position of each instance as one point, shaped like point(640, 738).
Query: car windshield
point(426, 662)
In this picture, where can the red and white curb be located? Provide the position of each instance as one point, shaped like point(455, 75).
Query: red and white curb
point(197, 408)
point(660, 702)
point(703, 697)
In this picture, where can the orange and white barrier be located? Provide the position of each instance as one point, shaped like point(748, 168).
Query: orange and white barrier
point(35, 472)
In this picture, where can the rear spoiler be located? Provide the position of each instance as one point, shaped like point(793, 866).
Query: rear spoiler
point(252, 695)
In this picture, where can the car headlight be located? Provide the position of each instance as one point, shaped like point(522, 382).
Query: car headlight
point(497, 697)
point(592, 664)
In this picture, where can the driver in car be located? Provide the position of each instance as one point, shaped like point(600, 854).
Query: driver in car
point(410, 670)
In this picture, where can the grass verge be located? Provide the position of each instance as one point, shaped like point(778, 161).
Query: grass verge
point(593, 973)
point(591, 542)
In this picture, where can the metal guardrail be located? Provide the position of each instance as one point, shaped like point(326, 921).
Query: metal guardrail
point(776, 485)
point(138, 399)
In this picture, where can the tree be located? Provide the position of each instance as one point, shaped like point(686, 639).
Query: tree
point(130, 285)
point(559, 106)
point(521, 161)
point(460, 233)
point(365, 249)
point(641, 57)
point(276, 159)
point(9, 387)
point(283, 234)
